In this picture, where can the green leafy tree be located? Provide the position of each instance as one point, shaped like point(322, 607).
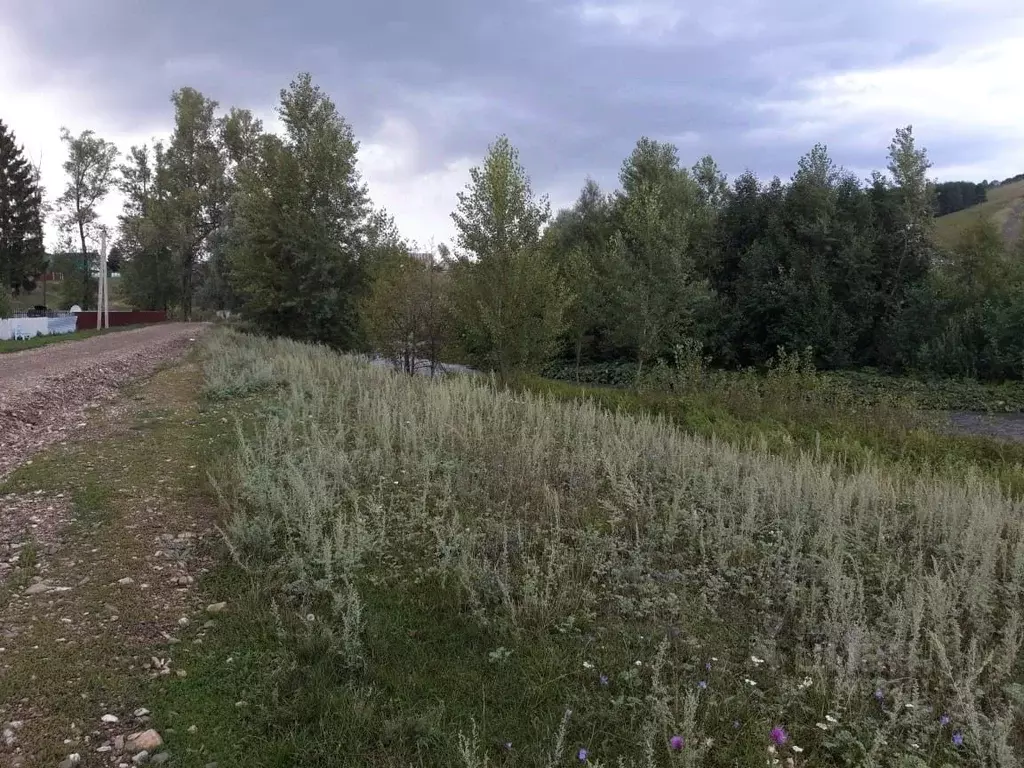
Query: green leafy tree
point(661, 297)
point(150, 278)
point(299, 224)
point(90, 176)
point(196, 185)
point(904, 250)
point(22, 256)
point(405, 310)
point(508, 305)
point(577, 244)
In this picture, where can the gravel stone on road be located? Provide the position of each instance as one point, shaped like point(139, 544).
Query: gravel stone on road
point(44, 392)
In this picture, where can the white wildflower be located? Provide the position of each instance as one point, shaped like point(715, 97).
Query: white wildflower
point(797, 749)
point(748, 681)
point(823, 726)
point(587, 665)
point(831, 719)
point(756, 660)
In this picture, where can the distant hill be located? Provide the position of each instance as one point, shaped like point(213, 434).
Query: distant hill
point(1004, 206)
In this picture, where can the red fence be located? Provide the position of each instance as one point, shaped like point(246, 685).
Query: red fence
point(87, 320)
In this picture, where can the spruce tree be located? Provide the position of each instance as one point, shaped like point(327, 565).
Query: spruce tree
point(22, 257)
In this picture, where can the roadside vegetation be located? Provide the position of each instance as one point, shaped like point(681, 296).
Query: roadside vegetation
point(449, 572)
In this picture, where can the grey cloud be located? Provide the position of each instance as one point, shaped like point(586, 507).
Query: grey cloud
point(574, 96)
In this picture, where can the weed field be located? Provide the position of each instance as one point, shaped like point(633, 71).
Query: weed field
point(450, 573)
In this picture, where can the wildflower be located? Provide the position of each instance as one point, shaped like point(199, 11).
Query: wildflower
point(708, 666)
point(748, 681)
point(603, 679)
point(958, 739)
point(821, 726)
point(677, 743)
point(944, 720)
point(587, 665)
point(703, 684)
point(779, 735)
point(508, 746)
point(736, 724)
point(879, 695)
point(638, 663)
point(582, 755)
point(797, 749)
point(805, 684)
point(831, 719)
point(757, 662)
point(908, 705)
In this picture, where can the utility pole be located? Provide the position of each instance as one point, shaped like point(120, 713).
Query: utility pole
point(102, 313)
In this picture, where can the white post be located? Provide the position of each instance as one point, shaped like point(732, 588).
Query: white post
point(101, 298)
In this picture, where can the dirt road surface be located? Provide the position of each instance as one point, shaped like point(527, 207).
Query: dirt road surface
point(45, 391)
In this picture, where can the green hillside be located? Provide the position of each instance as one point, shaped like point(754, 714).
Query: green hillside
point(1005, 206)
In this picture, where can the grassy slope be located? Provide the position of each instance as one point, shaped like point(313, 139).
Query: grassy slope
point(277, 687)
point(1005, 206)
point(857, 436)
point(866, 386)
point(267, 688)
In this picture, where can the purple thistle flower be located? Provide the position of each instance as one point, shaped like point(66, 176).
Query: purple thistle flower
point(677, 743)
point(779, 735)
point(879, 695)
point(603, 679)
point(958, 739)
point(582, 755)
point(944, 720)
point(708, 666)
point(703, 684)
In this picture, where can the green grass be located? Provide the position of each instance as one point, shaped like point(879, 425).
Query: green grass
point(412, 562)
point(855, 437)
point(1004, 206)
point(865, 386)
point(19, 345)
point(416, 562)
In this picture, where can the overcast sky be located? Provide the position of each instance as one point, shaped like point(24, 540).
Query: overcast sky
point(427, 84)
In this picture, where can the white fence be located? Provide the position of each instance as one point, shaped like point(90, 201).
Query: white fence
point(27, 327)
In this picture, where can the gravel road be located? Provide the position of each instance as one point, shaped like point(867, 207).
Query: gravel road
point(1003, 426)
point(44, 392)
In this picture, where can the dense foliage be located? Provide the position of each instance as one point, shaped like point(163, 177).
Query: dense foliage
point(952, 196)
point(227, 216)
point(22, 256)
point(824, 261)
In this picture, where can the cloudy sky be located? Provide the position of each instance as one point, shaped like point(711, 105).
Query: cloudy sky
point(427, 84)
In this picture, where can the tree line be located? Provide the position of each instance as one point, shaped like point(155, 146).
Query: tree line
point(953, 196)
point(225, 215)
